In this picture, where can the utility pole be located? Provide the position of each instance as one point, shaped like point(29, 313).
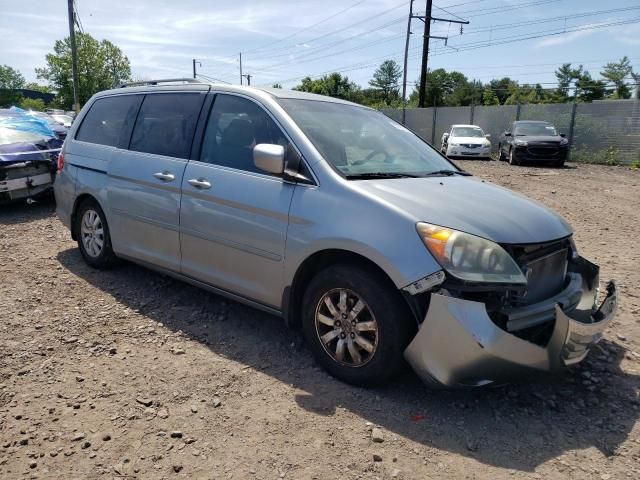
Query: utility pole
point(74, 57)
point(241, 68)
point(194, 67)
point(248, 77)
point(427, 19)
point(406, 57)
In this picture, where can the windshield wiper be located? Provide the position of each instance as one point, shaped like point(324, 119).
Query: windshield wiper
point(355, 176)
point(448, 173)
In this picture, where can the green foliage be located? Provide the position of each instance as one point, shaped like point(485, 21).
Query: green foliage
point(616, 72)
point(611, 155)
point(332, 85)
point(10, 80)
point(386, 78)
point(32, 104)
point(101, 65)
point(37, 87)
point(489, 97)
point(636, 163)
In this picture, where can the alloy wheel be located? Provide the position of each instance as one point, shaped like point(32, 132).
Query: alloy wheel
point(92, 233)
point(346, 327)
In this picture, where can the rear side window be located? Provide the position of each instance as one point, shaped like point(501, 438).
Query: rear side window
point(110, 120)
point(166, 124)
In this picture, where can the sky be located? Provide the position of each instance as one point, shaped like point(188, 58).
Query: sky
point(282, 41)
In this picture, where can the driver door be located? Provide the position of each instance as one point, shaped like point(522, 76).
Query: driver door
point(233, 216)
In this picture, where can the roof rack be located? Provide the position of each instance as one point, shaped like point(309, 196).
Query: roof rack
point(158, 82)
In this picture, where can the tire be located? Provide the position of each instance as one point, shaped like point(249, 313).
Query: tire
point(559, 164)
point(500, 154)
point(384, 322)
point(94, 240)
point(512, 159)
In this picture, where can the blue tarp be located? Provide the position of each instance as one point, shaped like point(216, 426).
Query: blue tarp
point(26, 123)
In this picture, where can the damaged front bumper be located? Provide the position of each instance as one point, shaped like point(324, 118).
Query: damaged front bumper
point(458, 344)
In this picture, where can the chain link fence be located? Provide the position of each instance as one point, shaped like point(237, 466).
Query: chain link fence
point(600, 132)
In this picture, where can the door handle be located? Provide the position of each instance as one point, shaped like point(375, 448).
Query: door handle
point(200, 183)
point(165, 176)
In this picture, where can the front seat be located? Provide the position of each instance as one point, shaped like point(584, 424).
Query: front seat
point(236, 145)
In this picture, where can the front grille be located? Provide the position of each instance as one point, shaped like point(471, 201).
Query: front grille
point(471, 145)
point(544, 266)
point(544, 151)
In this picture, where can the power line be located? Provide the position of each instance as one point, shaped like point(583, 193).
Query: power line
point(307, 27)
point(469, 46)
point(212, 79)
point(342, 29)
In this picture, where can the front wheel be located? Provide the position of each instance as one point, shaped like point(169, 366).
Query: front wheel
point(512, 158)
point(356, 324)
point(500, 154)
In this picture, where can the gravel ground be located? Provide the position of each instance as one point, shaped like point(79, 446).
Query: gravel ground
point(129, 374)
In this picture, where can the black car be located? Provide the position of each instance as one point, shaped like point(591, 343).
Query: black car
point(533, 141)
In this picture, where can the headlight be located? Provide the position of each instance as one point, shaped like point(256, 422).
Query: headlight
point(487, 145)
point(468, 257)
point(521, 143)
point(564, 141)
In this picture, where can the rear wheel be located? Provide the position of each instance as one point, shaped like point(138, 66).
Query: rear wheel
point(93, 236)
point(356, 324)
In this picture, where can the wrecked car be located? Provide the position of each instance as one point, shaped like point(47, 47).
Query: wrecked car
point(336, 218)
point(28, 157)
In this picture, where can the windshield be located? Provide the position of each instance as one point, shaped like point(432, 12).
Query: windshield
point(8, 136)
point(467, 132)
point(360, 142)
point(535, 129)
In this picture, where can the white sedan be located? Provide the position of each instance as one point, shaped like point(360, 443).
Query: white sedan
point(467, 141)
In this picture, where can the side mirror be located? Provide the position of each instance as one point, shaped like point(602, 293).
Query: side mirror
point(488, 135)
point(563, 135)
point(507, 134)
point(269, 158)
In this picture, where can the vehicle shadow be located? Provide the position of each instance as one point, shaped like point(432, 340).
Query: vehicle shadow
point(21, 212)
point(517, 427)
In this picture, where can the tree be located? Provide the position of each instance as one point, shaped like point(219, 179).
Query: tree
point(567, 75)
point(489, 97)
point(386, 78)
point(502, 88)
point(616, 72)
point(588, 89)
point(101, 65)
point(332, 85)
point(32, 104)
point(36, 87)
point(10, 80)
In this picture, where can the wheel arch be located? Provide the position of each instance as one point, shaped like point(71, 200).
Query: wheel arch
point(80, 199)
point(292, 295)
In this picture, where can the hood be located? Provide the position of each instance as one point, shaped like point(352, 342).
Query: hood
point(470, 205)
point(476, 140)
point(8, 153)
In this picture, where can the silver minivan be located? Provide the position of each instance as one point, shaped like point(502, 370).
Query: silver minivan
point(336, 218)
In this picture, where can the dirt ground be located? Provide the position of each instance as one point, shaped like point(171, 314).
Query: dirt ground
point(128, 374)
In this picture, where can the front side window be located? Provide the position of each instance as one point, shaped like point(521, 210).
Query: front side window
point(360, 142)
point(166, 124)
point(467, 132)
point(109, 121)
point(235, 126)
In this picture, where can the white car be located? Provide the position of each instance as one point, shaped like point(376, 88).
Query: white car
point(467, 141)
